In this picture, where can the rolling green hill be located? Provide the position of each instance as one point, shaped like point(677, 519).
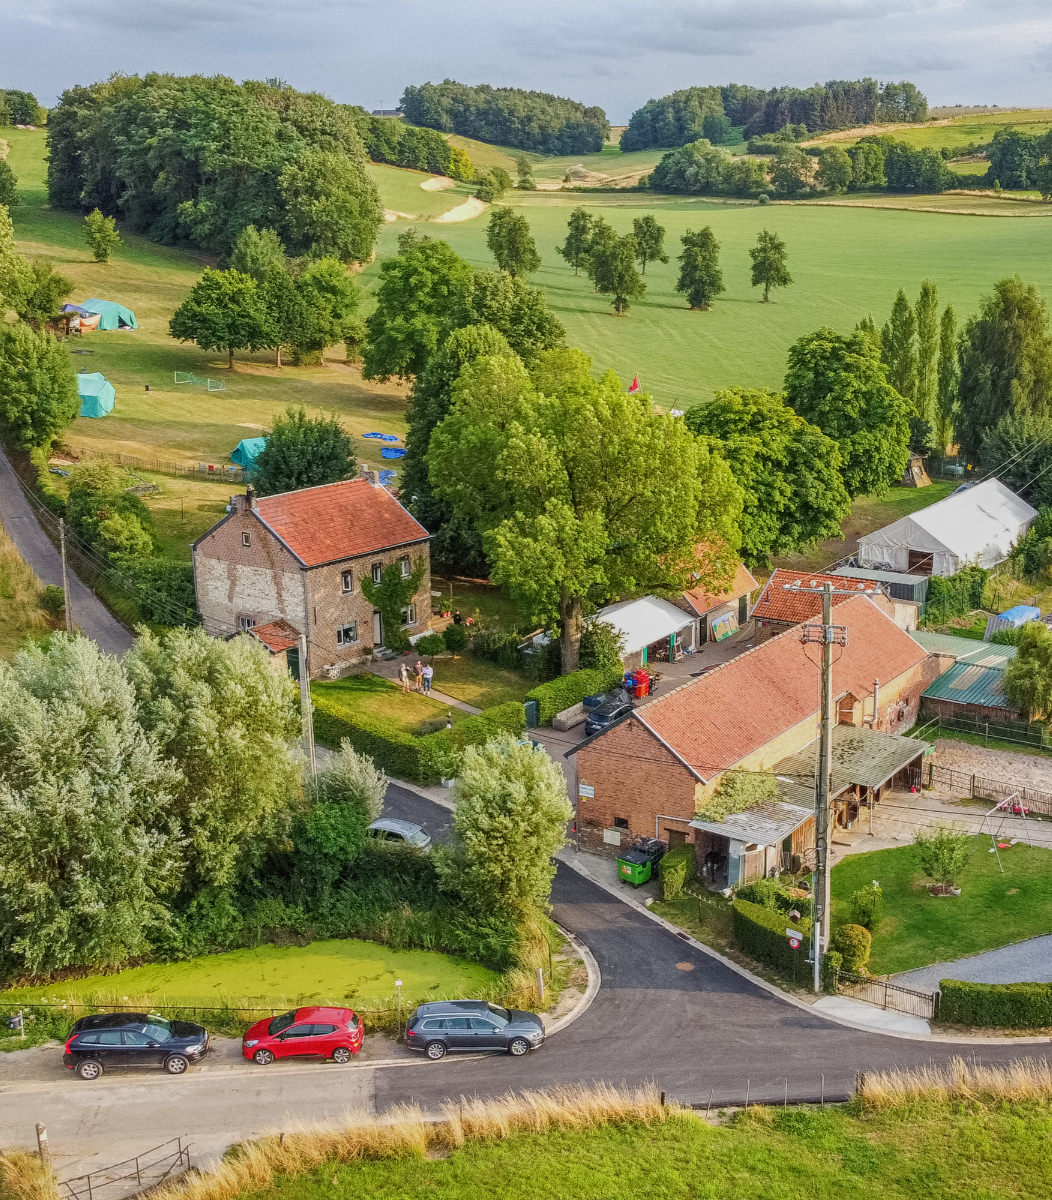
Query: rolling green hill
point(951, 131)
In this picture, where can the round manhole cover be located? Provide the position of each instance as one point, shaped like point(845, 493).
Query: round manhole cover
point(684, 966)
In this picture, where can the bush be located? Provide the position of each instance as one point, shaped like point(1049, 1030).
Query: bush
point(455, 638)
point(774, 896)
point(995, 1005)
point(955, 596)
point(676, 869)
point(497, 646)
point(571, 689)
point(867, 906)
point(853, 943)
point(53, 601)
point(430, 644)
point(831, 964)
point(943, 852)
point(763, 198)
point(761, 934)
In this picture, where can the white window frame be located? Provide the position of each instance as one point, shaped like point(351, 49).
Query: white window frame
point(409, 613)
point(246, 538)
point(377, 572)
point(347, 581)
point(244, 624)
point(406, 566)
point(341, 635)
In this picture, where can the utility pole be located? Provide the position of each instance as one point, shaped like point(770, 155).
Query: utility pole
point(305, 707)
point(67, 603)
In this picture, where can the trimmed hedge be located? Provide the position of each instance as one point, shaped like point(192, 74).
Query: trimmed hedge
point(761, 933)
point(571, 689)
point(419, 759)
point(1000, 1005)
point(675, 869)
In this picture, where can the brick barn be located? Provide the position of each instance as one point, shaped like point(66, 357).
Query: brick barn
point(779, 608)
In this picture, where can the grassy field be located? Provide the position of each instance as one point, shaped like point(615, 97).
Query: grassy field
point(20, 613)
point(478, 682)
point(992, 909)
point(942, 1151)
point(402, 193)
point(379, 698)
point(951, 131)
point(330, 972)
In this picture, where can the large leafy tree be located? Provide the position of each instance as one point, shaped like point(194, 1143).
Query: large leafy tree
point(834, 170)
point(38, 386)
point(1028, 676)
point(700, 277)
point(257, 252)
point(303, 451)
point(791, 173)
point(580, 491)
point(578, 239)
point(867, 166)
point(8, 185)
point(788, 470)
point(650, 241)
point(100, 232)
point(1005, 362)
point(898, 346)
point(229, 724)
point(613, 267)
point(326, 311)
point(43, 290)
point(224, 311)
point(838, 383)
point(770, 267)
point(90, 852)
point(331, 206)
point(509, 821)
point(520, 312)
point(511, 243)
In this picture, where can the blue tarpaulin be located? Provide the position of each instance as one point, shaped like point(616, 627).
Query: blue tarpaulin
point(392, 452)
point(1012, 618)
point(382, 437)
point(386, 477)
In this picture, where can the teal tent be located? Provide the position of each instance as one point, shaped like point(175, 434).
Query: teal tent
point(111, 314)
point(247, 451)
point(96, 394)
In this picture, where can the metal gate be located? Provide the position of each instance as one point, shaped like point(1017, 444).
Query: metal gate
point(888, 995)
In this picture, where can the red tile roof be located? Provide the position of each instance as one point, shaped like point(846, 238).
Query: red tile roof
point(277, 636)
point(338, 520)
point(703, 601)
point(714, 722)
point(777, 604)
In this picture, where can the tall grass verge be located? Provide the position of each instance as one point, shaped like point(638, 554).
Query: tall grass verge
point(1026, 1079)
point(24, 1177)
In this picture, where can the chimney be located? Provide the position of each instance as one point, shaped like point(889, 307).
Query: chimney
point(250, 497)
point(367, 474)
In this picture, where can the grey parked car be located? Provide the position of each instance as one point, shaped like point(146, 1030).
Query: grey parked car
point(443, 1025)
point(390, 829)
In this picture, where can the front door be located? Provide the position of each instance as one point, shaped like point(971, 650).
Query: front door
point(378, 629)
point(142, 1050)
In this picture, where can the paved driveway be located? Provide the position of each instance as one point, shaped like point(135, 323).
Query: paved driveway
point(1023, 962)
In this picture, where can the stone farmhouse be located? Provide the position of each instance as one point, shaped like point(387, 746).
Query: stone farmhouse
point(281, 566)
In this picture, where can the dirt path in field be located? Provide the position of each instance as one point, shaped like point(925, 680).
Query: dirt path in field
point(438, 183)
point(463, 212)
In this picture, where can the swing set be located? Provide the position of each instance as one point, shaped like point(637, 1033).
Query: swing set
point(997, 818)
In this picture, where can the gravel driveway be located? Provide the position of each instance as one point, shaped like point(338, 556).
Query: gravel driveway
point(1023, 962)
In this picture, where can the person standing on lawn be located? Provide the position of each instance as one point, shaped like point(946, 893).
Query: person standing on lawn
point(429, 672)
point(403, 675)
point(419, 671)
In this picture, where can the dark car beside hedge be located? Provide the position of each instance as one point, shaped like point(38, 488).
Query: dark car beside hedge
point(106, 1040)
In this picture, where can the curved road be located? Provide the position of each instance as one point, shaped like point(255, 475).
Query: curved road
point(666, 1013)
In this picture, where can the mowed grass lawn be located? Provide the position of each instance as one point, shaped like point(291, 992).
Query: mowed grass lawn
point(918, 929)
point(376, 697)
point(478, 682)
point(943, 1152)
point(329, 972)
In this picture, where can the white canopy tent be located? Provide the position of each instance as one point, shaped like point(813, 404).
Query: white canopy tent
point(977, 525)
point(645, 621)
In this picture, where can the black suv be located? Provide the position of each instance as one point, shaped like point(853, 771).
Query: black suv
point(107, 1040)
point(605, 714)
point(472, 1025)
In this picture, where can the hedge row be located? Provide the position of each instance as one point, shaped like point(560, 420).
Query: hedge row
point(1002, 1005)
point(676, 869)
point(571, 689)
point(422, 760)
point(761, 933)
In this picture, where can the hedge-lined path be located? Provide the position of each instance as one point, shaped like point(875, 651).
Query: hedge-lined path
point(1022, 962)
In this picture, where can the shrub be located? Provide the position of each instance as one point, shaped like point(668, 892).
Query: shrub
point(955, 596)
point(571, 689)
point(497, 646)
point(831, 964)
point(943, 853)
point(853, 943)
point(53, 601)
point(430, 644)
point(455, 638)
point(761, 934)
point(763, 198)
point(1001, 1005)
point(867, 906)
point(774, 896)
point(676, 869)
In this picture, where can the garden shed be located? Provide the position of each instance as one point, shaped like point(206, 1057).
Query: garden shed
point(96, 394)
point(970, 691)
point(979, 523)
point(111, 314)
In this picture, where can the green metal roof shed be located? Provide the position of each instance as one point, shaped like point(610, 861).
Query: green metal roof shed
point(968, 683)
point(981, 654)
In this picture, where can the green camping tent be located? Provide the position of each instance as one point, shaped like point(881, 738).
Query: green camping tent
point(96, 394)
point(247, 451)
point(111, 314)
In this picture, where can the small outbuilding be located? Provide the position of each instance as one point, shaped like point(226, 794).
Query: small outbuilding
point(111, 314)
point(247, 451)
point(1012, 618)
point(96, 394)
point(653, 629)
point(979, 523)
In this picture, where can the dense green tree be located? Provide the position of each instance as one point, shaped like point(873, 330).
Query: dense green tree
point(90, 846)
point(769, 263)
point(1028, 676)
point(331, 206)
point(839, 383)
point(700, 277)
point(1014, 158)
point(257, 252)
point(700, 169)
point(223, 311)
point(867, 166)
point(868, 327)
point(525, 181)
point(926, 315)
point(613, 267)
point(901, 102)
point(519, 311)
point(8, 185)
point(511, 243)
point(510, 814)
point(283, 307)
point(42, 292)
point(791, 173)
point(104, 513)
point(38, 386)
point(14, 269)
point(1018, 449)
point(23, 108)
point(789, 471)
point(491, 184)
point(834, 170)
point(303, 451)
point(1005, 360)
point(100, 232)
point(578, 241)
point(715, 127)
point(898, 347)
point(601, 240)
point(540, 467)
point(947, 378)
point(326, 311)
point(650, 241)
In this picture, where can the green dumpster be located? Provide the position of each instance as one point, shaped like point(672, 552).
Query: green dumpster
point(634, 867)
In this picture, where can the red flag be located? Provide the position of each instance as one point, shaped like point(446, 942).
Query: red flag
point(635, 385)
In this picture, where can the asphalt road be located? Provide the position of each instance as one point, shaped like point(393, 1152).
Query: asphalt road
point(665, 1013)
point(90, 615)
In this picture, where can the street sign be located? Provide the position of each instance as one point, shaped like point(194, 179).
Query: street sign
point(795, 937)
point(586, 790)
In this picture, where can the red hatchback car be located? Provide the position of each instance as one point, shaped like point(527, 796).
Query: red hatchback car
point(334, 1033)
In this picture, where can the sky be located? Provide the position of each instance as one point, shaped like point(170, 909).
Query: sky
point(615, 53)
